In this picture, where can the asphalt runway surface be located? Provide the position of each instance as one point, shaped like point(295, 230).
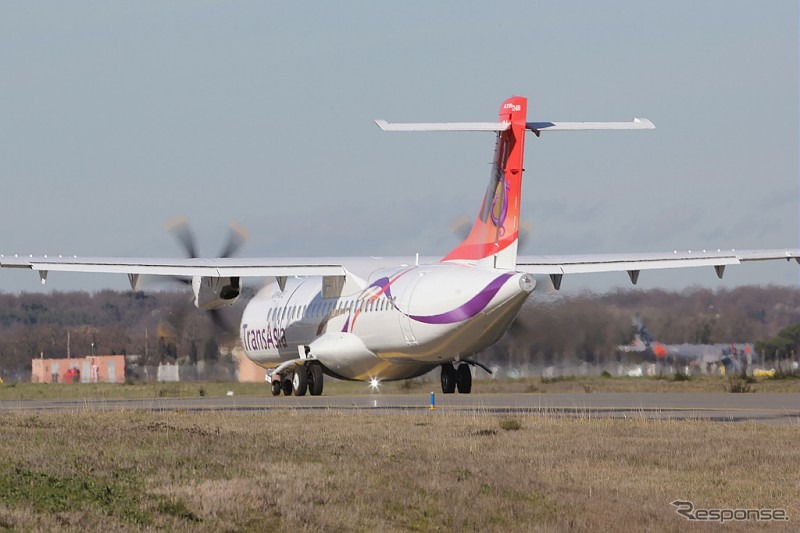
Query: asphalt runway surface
point(722, 407)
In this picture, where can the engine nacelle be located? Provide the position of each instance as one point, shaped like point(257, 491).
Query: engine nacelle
point(215, 293)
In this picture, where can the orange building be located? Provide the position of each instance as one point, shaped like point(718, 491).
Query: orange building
point(90, 369)
point(247, 371)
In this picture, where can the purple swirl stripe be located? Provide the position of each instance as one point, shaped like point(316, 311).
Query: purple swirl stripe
point(468, 310)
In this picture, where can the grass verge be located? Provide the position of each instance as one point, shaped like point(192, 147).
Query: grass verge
point(37, 391)
point(363, 471)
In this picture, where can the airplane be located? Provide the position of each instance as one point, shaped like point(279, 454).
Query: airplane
point(730, 355)
point(393, 318)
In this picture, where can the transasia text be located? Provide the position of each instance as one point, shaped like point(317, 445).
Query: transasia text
point(269, 337)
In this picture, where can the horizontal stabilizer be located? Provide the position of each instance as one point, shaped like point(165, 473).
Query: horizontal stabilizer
point(442, 126)
point(636, 124)
point(536, 127)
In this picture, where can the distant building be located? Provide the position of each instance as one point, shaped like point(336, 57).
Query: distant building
point(90, 369)
point(167, 372)
point(247, 371)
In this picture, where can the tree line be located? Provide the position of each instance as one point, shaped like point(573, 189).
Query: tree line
point(164, 326)
point(588, 327)
point(158, 326)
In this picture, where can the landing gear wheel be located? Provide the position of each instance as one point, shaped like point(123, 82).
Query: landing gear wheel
point(286, 385)
point(464, 382)
point(449, 378)
point(315, 379)
point(276, 388)
point(300, 380)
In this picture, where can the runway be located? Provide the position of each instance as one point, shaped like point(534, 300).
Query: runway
point(722, 407)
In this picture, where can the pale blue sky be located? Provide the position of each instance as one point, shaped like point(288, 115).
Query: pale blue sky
point(117, 116)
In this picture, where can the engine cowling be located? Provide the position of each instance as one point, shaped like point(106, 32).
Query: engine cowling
point(215, 292)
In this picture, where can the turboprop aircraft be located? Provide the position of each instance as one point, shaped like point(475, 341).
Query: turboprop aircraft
point(375, 319)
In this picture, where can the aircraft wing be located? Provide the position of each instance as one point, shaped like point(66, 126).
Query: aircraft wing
point(557, 265)
point(553, 265)
point(210, 267)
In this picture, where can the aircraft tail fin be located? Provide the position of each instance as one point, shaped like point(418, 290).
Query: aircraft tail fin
point(494, 236)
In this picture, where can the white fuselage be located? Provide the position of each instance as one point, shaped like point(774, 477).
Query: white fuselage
point(402, 323)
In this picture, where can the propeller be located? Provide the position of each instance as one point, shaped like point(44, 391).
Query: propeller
point(179, 227)
point(462, 226)
point(237, 235)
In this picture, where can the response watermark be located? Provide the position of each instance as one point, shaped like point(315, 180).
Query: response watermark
point(690, 512)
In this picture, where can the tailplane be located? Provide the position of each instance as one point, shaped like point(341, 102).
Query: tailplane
point(493, 239)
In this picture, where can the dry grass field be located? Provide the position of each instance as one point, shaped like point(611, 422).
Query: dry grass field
point(367, 471)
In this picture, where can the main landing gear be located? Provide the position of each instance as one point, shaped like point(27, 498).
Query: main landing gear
point(453, 378)
point(304, 378)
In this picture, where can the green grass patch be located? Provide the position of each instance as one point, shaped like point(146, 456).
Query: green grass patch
point(510, 424)
point(51, 493)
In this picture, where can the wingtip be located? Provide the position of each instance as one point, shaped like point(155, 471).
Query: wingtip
point(382, 124)
point(645, 123)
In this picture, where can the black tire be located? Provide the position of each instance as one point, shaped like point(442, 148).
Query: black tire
point(286, 385)
point(315, 379)
point(449, 379)
point(464, 382)
point(300, 380)
point(276, 388)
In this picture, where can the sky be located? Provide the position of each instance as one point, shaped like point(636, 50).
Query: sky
point(116, 117)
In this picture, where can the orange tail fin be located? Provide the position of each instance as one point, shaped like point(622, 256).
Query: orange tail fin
point(493, 238)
